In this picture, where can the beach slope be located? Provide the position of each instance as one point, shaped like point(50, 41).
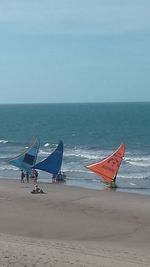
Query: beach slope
point(71, 226)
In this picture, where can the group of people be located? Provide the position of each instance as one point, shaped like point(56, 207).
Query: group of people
point(29, 175)
point(58, 178)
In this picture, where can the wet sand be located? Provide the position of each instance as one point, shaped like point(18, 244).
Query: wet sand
point(71, 226)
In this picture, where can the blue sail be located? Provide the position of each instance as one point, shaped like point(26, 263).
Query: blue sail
point(27, 159)
point(52, 163)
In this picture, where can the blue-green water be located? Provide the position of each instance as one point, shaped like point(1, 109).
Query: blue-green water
point(89, 132)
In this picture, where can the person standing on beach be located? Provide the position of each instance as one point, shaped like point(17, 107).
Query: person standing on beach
point(27, 176)
point(22, 176)
point(36, 175)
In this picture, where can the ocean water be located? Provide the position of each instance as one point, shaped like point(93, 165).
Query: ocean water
point(90, 132)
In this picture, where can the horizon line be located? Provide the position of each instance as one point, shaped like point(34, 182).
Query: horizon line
point(54, 103)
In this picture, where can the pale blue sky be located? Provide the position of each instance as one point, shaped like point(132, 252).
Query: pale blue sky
point(74, 51)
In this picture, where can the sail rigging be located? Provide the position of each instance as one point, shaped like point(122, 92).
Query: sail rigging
point(108, 168)
point(53, 162)
point(28, 157)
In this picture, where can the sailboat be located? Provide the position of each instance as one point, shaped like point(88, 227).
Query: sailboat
point(27, 158)
point(108, 168)
point(52, 164)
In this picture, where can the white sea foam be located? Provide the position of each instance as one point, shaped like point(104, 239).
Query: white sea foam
point(42, 152)
point(2, 157)
point(77, 153)
point(138, 160)
point(81, 155)
point(85, 154)
point(3, 141)
point(8, 167)
point(132, 176)
point(132, 184)
point(74, 171)
point(140, 164)
point(46, 145)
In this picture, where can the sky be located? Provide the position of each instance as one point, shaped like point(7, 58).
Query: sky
point(64, 51)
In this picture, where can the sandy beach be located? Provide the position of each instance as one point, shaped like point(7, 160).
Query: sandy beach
point(71, 226)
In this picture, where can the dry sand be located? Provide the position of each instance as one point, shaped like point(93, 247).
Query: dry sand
point(71, 226)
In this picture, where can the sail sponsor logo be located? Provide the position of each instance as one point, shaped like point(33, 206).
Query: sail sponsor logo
point(113, 162)
point(107, 168)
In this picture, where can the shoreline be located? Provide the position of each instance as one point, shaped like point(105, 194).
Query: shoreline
point(72, 226)
point(96, 185)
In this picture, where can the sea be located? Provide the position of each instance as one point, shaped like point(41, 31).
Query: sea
point(89, 131)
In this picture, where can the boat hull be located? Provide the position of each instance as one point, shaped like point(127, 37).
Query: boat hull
point(111, 185)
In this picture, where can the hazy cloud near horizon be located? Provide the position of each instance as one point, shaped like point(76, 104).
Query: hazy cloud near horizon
point(75, 17)
point(74, 51)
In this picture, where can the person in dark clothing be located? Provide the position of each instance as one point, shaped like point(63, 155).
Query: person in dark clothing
point(27, 176)
point(36, 175)
point(22, 176)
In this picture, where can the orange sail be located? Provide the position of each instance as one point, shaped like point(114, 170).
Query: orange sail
point(107, 168)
